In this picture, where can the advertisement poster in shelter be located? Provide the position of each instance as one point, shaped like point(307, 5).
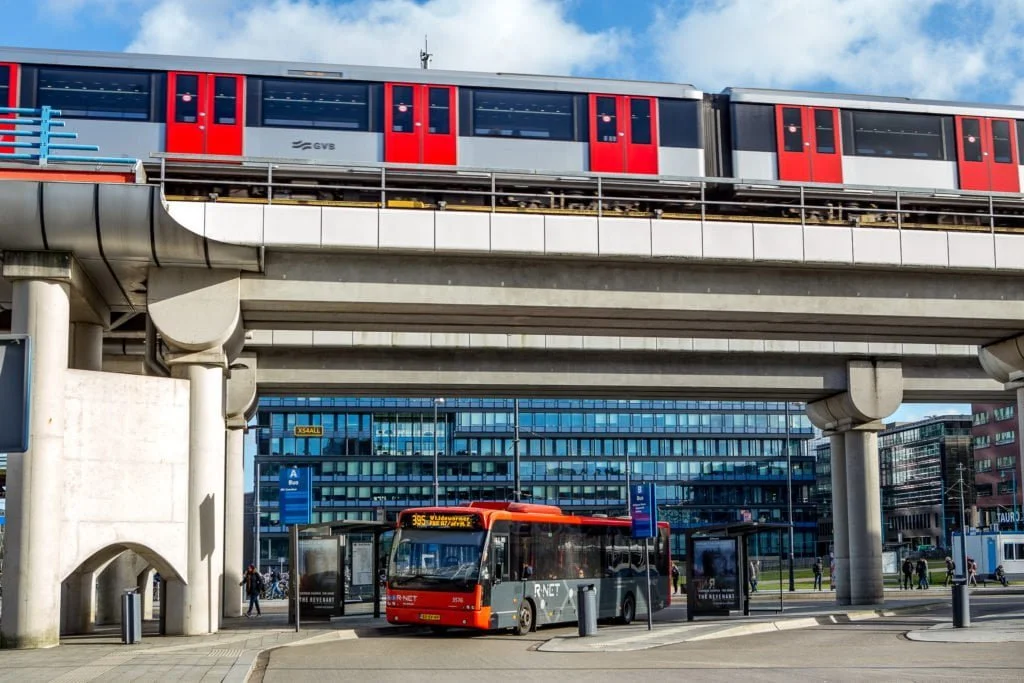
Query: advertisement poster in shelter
point(319, 577)
point(716, 575)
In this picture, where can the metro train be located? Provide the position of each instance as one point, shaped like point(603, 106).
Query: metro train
point(133, 105)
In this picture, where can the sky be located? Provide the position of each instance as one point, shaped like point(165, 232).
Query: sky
point(944, 49)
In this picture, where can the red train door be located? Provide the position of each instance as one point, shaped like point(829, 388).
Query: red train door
point(204, 113)
point(623, 134)
point(419, 124)
point(809, 146)
point(8, 98)
point(987, 156)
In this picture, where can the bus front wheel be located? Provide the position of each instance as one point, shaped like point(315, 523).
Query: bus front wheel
point(628, 609)
point(526, 618)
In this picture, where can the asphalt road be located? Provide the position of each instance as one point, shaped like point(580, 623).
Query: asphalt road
point(875, 649)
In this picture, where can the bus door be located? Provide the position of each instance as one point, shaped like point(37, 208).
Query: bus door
point(8, 98)
point(204, 113)
point(501, 592)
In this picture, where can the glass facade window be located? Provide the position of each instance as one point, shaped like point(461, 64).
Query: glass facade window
point(1004, 413)
point(1006, 437)
point(980, 418)
point(298, 103)
point(96, 93)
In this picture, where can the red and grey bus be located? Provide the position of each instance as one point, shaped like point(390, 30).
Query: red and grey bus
point(500, 565)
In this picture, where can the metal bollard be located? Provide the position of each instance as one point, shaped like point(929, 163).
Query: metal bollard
point(131, 618)
point(961, 604)
point(586, 606)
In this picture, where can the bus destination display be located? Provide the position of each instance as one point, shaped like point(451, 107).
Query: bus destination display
point(442, 520)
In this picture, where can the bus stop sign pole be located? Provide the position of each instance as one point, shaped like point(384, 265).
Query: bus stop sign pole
point(643, 511)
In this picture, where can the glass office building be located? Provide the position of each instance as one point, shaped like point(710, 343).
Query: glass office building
point(712, 462)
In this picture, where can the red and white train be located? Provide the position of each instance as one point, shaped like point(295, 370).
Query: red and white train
point(133, 105)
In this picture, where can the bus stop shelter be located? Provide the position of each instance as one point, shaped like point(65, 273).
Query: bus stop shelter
point(717, 574)
point(335, 566)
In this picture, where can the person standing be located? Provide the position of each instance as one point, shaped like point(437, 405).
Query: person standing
point(922, 574)
point(253, 583)
point(753, 576)
point(950, 569)
point(817, 573)
point(675, 578)
point(972, 572)
point(908, 571)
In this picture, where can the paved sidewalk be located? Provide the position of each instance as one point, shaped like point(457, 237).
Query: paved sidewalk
point(225, 656)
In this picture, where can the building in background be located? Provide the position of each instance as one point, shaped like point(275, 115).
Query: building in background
point(996, 463)
point(919, 472)
point(713, 462)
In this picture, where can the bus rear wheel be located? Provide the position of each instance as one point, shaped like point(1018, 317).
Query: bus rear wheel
point(628, 609)
point(525, 619)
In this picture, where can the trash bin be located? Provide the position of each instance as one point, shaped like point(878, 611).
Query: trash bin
point(131, 618)
point(586, 607)
point(961, 604)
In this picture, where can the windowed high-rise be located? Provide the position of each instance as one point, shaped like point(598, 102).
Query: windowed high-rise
point(712, 461)
point(996, 464)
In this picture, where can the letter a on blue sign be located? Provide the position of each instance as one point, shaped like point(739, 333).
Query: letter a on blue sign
point(643, 510)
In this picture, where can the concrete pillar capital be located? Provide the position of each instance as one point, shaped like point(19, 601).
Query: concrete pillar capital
point(241, 388)
point(87, 305)
point(214, 358)
point(195, 309)
point(1004, 361)
point(874, 391)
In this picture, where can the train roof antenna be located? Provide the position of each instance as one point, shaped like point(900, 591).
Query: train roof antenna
point(425, 56)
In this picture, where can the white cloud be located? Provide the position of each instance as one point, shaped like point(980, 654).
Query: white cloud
point(872, 46)
point(511, 35)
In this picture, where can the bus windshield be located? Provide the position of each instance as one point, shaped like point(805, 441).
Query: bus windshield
point(426, 559)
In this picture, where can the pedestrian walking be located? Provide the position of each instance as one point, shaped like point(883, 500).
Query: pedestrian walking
point(253, 583)
point(675, 578)
point(817, 573)
point(908, 571)
point(950, 570)
point(972, 572)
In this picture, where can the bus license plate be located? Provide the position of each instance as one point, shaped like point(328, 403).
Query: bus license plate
point(430, 617)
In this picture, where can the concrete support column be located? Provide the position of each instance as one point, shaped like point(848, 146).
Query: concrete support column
point(867, 586)
point(840, 519)
point(194, 608)
point(145, 589)
point(118, 576)
point(31, 580)
point(86, 347)
point(234, 518)
point(78, 603)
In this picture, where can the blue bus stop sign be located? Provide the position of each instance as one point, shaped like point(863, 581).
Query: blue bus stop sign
point(15, 383)
point(643, 510)
point(296, 496)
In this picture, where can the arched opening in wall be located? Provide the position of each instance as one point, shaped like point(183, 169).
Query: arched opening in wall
point(91, 594)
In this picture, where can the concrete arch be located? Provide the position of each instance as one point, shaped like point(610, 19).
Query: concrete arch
point(100, 558)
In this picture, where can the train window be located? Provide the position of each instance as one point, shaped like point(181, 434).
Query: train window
point(225, 100)
point(607, 125)
point(523, 114)
point(1001, 148)
point(5, 84)
point(440, 115)
point(96, 93)
point(402, 110)
point(316, 104)
point(753, 127)
point(1020, 140)
point(824, 131)
point(897, 134)
point(186, 98)
point(792, 129)
point(972, 139)
point(640, 121)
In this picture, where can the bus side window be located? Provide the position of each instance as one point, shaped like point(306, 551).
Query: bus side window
point(499, 557)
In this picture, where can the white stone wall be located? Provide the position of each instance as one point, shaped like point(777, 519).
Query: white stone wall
point(126, 467)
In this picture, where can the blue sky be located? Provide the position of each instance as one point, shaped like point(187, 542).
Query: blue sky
point(945, 49)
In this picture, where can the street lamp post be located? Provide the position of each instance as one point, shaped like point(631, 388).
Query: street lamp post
point(437, 402)
point(256, 488)
point(964, 617)
point(517, 494)
point(789, 496)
